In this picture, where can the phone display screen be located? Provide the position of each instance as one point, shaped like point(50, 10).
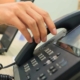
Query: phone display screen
point(71, 42)
point(10, 32)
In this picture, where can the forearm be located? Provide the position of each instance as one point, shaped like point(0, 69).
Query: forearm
point(6, 1)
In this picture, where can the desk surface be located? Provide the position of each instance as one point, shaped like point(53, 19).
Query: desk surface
point(6, 60)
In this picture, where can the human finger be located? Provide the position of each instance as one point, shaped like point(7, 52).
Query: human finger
point(31, 24)
point(46, 18)
point(19, 25)
point(40, 23)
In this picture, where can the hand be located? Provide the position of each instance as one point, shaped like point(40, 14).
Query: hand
point(26, 15)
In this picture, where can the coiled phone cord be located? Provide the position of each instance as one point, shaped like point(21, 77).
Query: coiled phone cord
point(4, 76)
point(1, 66)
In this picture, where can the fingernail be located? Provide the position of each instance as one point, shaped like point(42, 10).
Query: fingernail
point(54, 31)
point(30, 40)
point(44, 39)
point(38, 40)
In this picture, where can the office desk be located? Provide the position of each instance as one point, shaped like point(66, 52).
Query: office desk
point(5, 60)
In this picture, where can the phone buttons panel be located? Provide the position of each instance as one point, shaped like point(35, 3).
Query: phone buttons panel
point(49, 51)
point(34, 62)
point(26, 67)
point(42, 76)
point(41, 56)
point(52, 70)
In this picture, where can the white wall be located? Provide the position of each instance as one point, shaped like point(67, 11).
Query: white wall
point(57, 8)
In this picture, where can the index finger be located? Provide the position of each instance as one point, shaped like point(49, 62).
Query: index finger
point(47, 19)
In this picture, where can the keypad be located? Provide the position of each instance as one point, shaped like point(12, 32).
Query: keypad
point(26, 67)
point(49, 51)
point(41, 57)
point(42, 76)
point(45, 62)
point(34, 62)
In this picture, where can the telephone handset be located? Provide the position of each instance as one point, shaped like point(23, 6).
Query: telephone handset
point(26, 53)
point(68, 22)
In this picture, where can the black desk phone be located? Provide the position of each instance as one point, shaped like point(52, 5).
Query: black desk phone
point(57, 59)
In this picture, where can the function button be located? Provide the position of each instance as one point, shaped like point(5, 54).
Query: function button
point(37, 69)
point(55, 57)
point(44, 78)
point(38, 78)
point(54, 70)
point(44, 64)
point(34, 62)
point(26, 70)
point(49, 51)
point(28, 77)
point(48, 62)
point(52, 59)
point(41, 75)
point(41, 57)
point(58, 54)
point(54, 42)
point(51, 68)
point(26, 67)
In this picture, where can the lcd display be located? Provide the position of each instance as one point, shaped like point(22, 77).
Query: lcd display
point(71, 42)
point(10, 32)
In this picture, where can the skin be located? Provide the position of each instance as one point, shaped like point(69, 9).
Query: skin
point(26, 15)
point(6, 1)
